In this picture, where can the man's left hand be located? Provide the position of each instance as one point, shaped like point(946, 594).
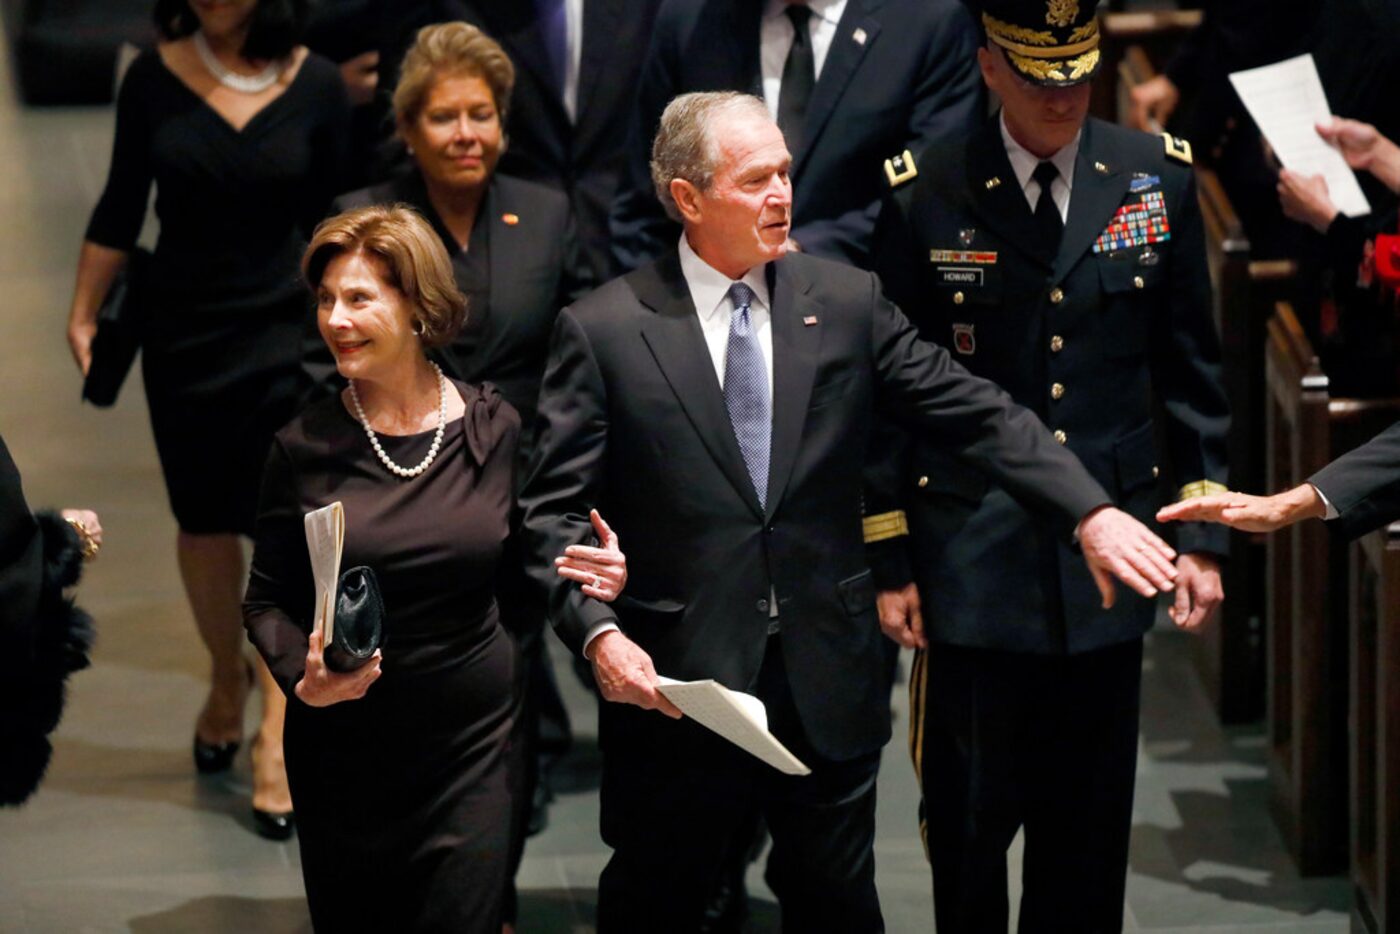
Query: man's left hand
point(1198, 590)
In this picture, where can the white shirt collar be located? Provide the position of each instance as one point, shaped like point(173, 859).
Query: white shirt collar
point(828, 10)
point(709, 288)
point(1023, 161)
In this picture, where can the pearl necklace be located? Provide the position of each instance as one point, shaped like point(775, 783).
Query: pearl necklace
point(244, 84)
point(406, 472)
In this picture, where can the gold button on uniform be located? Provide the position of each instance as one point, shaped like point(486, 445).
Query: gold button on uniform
point(923, 482)
point(1057, 295)
point(1155, 472)
point(1137, 282)
point(1057, 344)
point(1057, 391)
point(958, 298)
point(1060, 436)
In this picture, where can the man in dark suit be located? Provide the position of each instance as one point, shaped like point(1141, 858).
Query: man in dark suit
point(577, 63)
point(714, 406)
point(1064, 259)
point(1356, 493)
point(849, 81)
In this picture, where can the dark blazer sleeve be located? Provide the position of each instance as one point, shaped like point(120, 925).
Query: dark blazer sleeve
point(1364, 485)
point(277, 607)
point(923, 388)
point(638, 228)
point(565, 477)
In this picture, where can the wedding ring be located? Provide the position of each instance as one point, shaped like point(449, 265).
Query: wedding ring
point(597, 582)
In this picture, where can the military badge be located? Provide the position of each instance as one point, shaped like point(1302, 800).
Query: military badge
point(964, 339)
point(980, 257)
point(1137, 223)
point(1143, 181)
point(1061, 12)
point(967, 235)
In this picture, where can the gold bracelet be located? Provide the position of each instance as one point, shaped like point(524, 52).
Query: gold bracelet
point(89, 548)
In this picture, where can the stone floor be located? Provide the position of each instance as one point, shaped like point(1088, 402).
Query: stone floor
point(124, 837)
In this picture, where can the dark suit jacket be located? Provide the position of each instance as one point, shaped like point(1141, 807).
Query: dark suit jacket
point(584, 158)
point(526, 283)
point(911, 79)
point(1122, 331)
point(633, 422)
point(1364, 485)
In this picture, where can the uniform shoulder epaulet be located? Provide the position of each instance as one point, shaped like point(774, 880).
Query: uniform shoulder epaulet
point(1177, 148)
point(900, 169)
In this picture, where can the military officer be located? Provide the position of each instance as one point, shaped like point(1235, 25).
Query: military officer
point(1062, 257)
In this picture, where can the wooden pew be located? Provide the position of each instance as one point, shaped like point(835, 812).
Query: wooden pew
point(1306, 605)
point(1375, 731)
point(1229, 652)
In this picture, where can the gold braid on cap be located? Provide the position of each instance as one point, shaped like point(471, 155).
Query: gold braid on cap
point(1032, 44)
point(999, 30)
point(1041, 69)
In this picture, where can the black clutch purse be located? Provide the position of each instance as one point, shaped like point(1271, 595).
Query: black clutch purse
point(121, 324)
point(359, 621)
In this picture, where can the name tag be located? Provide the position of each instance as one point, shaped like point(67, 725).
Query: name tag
point(956, 275)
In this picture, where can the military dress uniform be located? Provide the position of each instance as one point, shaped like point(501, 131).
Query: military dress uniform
point(1024, 708)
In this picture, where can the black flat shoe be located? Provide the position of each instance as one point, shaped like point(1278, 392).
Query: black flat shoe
point(211, 758)
point(275, 826)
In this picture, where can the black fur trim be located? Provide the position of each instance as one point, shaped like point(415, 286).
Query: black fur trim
point(32, 702)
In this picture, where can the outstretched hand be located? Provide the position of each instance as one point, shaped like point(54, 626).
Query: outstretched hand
point(1117, 545)
point(1249, 513)
point(603, 570)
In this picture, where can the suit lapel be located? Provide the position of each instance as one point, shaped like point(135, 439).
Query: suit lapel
point(674, 337)
point(1092, 202)
point(515, 26)
point(795, 351)
point(842, 59)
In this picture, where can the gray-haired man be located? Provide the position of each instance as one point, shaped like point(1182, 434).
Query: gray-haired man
point(715, 407)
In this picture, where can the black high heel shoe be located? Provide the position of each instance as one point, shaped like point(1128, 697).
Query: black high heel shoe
point(275, 825)
point(212, 758)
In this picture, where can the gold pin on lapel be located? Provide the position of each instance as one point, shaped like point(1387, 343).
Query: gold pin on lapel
point(510, 220)
point(993, 182)
point(859, 35)
point(1100, 168)
point(809, 320)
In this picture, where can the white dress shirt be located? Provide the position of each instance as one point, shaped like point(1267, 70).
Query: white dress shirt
point(709, 292)
point(1023, 163)
point(775, 35)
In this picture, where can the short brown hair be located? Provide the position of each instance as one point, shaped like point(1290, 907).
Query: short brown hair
point(450, 49)
point(413, 257)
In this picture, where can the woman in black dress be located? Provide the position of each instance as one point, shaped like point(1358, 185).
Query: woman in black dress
point(402, 771)
point(513, 253)
point(241, 131)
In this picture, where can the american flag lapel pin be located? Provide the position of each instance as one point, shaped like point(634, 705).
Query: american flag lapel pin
point(809, 320)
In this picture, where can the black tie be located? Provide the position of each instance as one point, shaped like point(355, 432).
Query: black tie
point(799, 77)
point(1048, 223)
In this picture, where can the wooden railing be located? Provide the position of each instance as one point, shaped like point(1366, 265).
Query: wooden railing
point(1375, 731)
point(1306, 604)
